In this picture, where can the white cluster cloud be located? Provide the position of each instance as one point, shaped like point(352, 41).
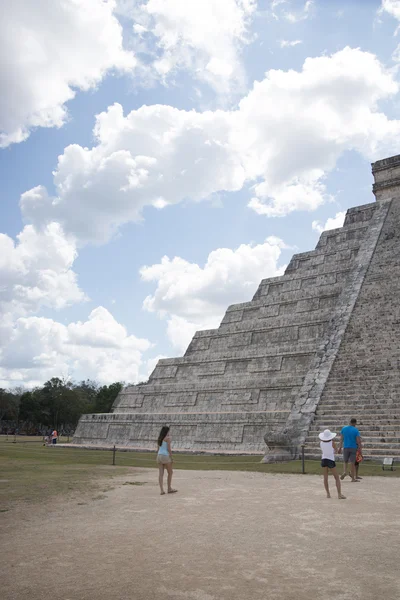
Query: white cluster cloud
point(392, 7)
point(49, 50)
point(156, 155)
point(203, 38)
point(100, 348)
point(302, 15)
point(36, 272)
point(290, 43)
point(191, 297)
point(284, 9)
point(331, 223)
point(286, 134)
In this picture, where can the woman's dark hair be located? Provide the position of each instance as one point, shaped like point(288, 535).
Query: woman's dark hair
point(163, 433)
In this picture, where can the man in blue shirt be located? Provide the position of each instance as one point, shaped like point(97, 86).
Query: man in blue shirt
point(351, 441)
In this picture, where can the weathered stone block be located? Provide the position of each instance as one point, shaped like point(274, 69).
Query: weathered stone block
point(283, 334)
point(187, 399)
point(213, 433)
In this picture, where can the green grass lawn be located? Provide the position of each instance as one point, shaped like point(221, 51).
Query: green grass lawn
point(29, 471)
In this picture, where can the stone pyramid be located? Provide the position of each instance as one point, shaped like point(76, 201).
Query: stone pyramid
point(314, 347)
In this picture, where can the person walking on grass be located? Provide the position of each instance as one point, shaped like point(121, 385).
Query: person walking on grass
point(328, 449)
point(54, 437)
point(164, 460)
point(351, 442)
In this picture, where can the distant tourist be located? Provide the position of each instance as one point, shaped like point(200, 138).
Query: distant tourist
point(164, 459)
point(48, 436)
point(328, 449)
point(351, 442)
point(54, 436)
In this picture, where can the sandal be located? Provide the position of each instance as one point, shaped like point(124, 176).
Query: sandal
point(172, 491)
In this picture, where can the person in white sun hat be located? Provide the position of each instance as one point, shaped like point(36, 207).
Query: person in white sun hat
point(328, 450)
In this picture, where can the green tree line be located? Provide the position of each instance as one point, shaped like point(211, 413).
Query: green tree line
point(57, 404)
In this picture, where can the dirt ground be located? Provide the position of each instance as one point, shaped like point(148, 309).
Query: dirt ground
point(224, 535)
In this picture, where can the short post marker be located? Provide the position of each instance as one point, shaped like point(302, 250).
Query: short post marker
point(114, 456)
point(303, 466)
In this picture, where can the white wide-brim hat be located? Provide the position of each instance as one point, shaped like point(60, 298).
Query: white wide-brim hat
point(327, 435)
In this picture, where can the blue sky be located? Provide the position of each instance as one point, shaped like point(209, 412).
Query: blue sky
point(223, 177)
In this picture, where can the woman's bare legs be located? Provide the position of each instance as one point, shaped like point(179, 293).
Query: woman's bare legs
point(169, 478)
point(161, 477)
point(338, 486)
point(326, 484)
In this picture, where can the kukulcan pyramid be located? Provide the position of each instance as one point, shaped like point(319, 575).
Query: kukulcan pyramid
point(314, 347)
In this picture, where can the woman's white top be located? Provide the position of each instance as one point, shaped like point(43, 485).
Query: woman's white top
point(327, 450)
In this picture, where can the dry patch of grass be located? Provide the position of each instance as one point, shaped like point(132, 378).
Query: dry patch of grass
point(31, 473)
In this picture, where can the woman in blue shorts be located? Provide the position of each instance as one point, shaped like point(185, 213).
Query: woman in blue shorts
point(164, 459)
point(328, 450)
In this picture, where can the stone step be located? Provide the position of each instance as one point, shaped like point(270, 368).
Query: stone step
point(358, 413)
point(372, 425)
point(362, 213)
point(377, 384)
point(365, 433)
point(284, 367)
point(323, 251)
point(372, 389)
point(365, 376)
point(236, 355)
point(357, 401)
point(307, 262)
point(361, 422)
point(366, 354)
point(305, 300)
point(383, 391)
point(301, 294)
point(328, 273)
point(250, 352)
point(376, 411)
point(292, 296)
point(361, 416)
point(318, 282)
point(262, 322)
point(334, 237)
point(270, 338)
point(311, 267)
point(235, 383)
point(357, 404)
point(230, 380)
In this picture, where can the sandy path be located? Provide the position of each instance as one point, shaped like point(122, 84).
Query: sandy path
point(225, 535)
